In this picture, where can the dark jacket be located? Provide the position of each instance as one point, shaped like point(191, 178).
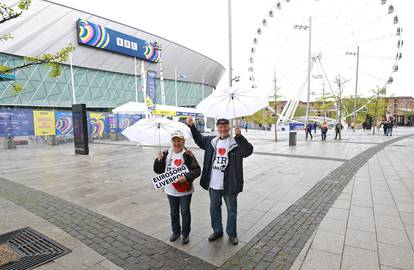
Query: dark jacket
point(189, 160)
point(233, 174)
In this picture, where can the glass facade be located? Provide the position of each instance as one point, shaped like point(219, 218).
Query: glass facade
point(95, 88)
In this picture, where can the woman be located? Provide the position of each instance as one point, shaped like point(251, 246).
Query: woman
point(324, 130)
point(179, 193)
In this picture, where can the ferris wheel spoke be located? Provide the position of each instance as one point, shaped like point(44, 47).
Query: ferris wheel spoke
point(353, 17)
point(352, 33)
point(361, 71)
point(286, 37)
point(362, 42)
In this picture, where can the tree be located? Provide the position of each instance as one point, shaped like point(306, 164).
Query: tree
point(53, 60)
point(378, 105)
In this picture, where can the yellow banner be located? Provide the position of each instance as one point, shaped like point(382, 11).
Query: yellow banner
point(44, 123)
point(164, 112)
point(97, 121)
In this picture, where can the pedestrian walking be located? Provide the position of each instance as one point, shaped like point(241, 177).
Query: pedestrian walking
point(222, 174)
point(246, 126)
point(315, 126)
point(324, 130)
point(338, 128)
point(180, 192)
point(390, 128)
point(308, 130)
point(385, 127)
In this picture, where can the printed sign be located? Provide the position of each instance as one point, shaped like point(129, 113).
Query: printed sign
point(95, 35)
point(169, 177)
point(44, 123)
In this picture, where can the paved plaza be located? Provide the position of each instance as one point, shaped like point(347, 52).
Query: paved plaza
point(319, 205)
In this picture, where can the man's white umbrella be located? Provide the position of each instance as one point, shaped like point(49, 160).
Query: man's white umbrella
point(232, 103)
point(154, 131)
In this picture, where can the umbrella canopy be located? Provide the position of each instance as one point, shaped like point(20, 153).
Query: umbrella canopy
point(231, 103)
point(154, 131)
point(131, 108)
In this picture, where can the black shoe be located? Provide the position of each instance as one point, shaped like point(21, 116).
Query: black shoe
point(214, 236)
point(174, 237)
point(185, 240)
point(234, 240)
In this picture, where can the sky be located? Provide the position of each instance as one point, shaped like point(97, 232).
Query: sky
point(202, 26)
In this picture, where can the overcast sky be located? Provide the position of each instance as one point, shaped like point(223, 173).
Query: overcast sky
point(202, 26)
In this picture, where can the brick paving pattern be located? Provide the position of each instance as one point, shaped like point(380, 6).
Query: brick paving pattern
point(281, 241)
point(275, 247)
point(121, 244)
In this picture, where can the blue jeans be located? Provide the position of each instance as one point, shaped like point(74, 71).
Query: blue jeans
point(183, 203)
point(215, 212)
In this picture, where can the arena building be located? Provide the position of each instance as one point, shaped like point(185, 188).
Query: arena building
point(103, 62)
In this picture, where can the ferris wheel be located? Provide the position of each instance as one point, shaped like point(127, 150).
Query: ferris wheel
point(356, 41)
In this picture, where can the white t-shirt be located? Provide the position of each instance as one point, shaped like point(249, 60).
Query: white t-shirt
point(220, 161)
point(175, 160)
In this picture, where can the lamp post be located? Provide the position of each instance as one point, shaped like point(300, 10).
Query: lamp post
point(356, 84)
point(307, 27)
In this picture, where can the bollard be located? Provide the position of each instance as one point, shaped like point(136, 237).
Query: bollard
point(292, 138)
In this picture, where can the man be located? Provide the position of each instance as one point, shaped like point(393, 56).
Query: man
point(222, 173)
point(308, 130)
point(180, 192)
point(338, 128)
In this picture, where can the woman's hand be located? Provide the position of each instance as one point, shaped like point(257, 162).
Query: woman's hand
point(159, 157)
point(182, 179)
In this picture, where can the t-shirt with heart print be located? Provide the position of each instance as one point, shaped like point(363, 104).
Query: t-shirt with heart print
point(175, 160)
point(220, 162)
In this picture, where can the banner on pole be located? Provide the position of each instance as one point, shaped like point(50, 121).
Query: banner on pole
point(169, 177)
point(151, 89)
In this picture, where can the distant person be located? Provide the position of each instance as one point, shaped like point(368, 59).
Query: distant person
point(315, 126)
point(364, 125)
point(180, 192)
point(385, 127)
point(246, 126)
point(390, 128)
point(338, 128)
point(308, 130)
point(324, 130)
point(352, 126)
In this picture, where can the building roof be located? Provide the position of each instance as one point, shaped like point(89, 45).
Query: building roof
point(47, 27)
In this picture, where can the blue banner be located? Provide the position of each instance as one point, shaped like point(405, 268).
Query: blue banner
point(5, 119)
point(64, 123)
point(97, 36)
point(126, 120)
point(22, 123)
point(151, 89)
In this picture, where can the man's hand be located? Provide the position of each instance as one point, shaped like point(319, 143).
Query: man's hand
point(190, 121)
point(159, 157)
point(182, 179)
point(237, 132)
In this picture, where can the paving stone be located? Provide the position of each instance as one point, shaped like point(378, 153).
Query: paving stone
point(361, 239)
point(356, 259)
point(396, 256)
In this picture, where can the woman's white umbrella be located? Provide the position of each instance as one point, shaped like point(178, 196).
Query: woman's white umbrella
point(232, 103)
point(154, 131)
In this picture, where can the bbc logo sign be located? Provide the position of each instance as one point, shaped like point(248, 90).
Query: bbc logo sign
point(126, 44)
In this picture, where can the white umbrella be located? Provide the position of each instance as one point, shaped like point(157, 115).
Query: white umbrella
point(154, 131)
point(232, 103)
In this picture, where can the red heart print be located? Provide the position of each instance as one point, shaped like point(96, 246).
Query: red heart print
point(177, 162)
point(222, 151)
